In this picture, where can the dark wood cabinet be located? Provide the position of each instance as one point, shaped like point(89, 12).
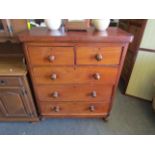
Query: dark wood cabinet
point(16, 102)
point(135, 27)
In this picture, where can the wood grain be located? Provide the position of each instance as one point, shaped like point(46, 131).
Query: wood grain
point(64, 88)
point(16, 102)
point(74, 108)
point(87, 55)
point(39, 55)
point(65, 75)
point(74, 92)
point(112, 35)
point(7, 81)
point(12, 66)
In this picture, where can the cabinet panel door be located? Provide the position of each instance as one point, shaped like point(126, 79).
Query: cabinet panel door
point(1, 114)
point(13, 102)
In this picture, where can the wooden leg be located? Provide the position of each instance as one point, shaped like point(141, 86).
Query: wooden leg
point(42, 118)
point(34, 122)
point(105, 119)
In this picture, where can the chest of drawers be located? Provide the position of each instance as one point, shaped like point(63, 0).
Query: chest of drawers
point(75, 74)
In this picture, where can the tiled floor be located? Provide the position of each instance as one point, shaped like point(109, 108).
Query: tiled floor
point(128, 116)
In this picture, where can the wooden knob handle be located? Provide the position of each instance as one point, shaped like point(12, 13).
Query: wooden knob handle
point(51, 58)
point(53, 76)
point(99, 57)
point(93, 94)
point(97, 76)
point(2, 82)
point(56, 109)
point(55, 94)
point(92, 108)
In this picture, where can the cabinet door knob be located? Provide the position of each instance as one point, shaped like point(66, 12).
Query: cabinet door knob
point(97, 76)
point(2, 82)
point(93, 94)
point(53, 76)
point(56, 109)
point(55, 94)
point(92, 108)
point(99, 57)
point(51, 58)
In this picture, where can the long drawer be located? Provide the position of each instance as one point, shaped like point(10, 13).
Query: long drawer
point(42, 55)
point(98, 55)
point(10, 81)
point(65, 75)
point(74, 92)
point(73, 108)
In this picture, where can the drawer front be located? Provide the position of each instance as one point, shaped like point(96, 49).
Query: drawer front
point(10, 81)
point(63, 75)
point(51, 55)
point(74, 93)
point(74, 108)
point(98, 56)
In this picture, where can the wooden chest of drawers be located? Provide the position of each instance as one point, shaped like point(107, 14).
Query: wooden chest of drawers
point(75, 74)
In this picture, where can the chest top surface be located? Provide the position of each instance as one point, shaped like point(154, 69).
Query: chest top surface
point(44, 35)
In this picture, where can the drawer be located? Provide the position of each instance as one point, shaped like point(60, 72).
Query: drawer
point(74, 93)
point(74, 108)
point(10, 81)
point(65, 75)
point(98, 55)
point(51, 55)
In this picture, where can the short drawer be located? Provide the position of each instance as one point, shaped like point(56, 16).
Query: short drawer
point(51, 55)
point(10, 81)
point(74, 108)
point(98, 55)
point(66, 75)
point(74, 93)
